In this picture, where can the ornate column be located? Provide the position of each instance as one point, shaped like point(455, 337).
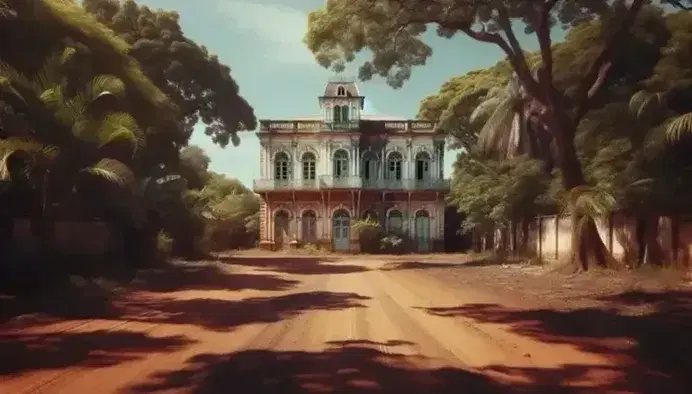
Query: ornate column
point(296, 160)
point(409, 160)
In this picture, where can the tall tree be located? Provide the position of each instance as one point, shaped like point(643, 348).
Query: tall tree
point(392, 30)
point(197, 82)
point(71, 138)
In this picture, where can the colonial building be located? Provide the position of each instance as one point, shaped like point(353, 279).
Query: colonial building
point(320, 174)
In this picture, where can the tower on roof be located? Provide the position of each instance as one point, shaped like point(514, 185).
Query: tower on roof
point(341, 103)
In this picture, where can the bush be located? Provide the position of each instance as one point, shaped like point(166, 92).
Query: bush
point(369, 234)
point(164, 244)
point(395, 243)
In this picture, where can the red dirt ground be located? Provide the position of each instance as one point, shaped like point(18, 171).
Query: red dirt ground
point(256, 323)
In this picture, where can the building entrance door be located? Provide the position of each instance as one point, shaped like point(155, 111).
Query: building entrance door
point(341, 231)
point(423, 231)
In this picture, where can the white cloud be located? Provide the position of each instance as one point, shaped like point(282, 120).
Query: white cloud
point(280, 27)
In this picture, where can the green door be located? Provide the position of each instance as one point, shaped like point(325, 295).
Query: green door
point(423, 231)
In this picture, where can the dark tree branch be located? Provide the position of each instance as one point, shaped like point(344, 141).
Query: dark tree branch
point(517, 58)
point(544, 40)
point(597, 74)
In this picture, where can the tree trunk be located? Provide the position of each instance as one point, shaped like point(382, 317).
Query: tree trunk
point(588, 249)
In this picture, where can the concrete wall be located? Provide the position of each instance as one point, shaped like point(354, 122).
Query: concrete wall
point(551, 237)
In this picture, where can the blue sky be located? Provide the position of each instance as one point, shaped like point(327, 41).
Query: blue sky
point(261, 40)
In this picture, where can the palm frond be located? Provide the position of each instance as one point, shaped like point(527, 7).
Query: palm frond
point(494, 136)
point(50, 75)
point(678, 127)
point(485, 109)
point(105, 84)
point(5, 10)
point(11, 82)
point(643, 103)
point(113, 171)
point(590, 201)
point(120, 126)
point(30, 146)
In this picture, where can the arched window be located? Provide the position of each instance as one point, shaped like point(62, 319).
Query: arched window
point(422, 166)
point(282, 166)
point(395, 221)
point(281, 228)
point(309, 166)
point(340, 164)
point(394, 166)
point(337, 114)
point(309, 226)
point(344, 113)
point(340, 91)
point(370, 167)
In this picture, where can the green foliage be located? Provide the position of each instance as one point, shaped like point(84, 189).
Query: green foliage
point(494, 193)
point(391, 243)
point(393, 30)
point(164, 243)
point(75, 138)
point(369, 233)
point(629, 159)
point(197, 82)
point(222, 214)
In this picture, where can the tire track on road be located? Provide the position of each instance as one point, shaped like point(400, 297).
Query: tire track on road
point(425, 342)
point(61, 376)
point(500, 345)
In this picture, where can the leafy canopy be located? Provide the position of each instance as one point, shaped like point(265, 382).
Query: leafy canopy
point(195, 79)
point(392, 29)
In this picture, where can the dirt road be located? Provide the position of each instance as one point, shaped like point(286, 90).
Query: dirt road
point(300, 325)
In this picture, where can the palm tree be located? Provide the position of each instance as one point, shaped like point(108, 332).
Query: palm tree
point(512, 124)
point(74, 139)
point(662, 152)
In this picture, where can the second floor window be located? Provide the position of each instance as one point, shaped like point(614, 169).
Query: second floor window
point(422, 166)
point(281, 166)
point(340, 113)
point(394, 166)
point(309, 166)
point(340, 164)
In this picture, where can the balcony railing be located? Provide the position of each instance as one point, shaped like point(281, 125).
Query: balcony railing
point(406, 184)
point(332, 182)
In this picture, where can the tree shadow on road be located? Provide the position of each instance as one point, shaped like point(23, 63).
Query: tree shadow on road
point(654, 330)
point(296, 265)
point(419, 265)
point(26, 352)
point(357, 368)
point(89, 300)
point(71, 302)
point(224, 315)
point(206, 276)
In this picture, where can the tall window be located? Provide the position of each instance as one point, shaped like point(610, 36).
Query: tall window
point(281, 166)
point(340, 91)
point(344, 113)
point(340, 164)
point(395, 221)
point(337, 114)
point(309, 164)
point(309, 226)
point(394, 166)
point(369, 169)
point(422, 166)
point(440, 160)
